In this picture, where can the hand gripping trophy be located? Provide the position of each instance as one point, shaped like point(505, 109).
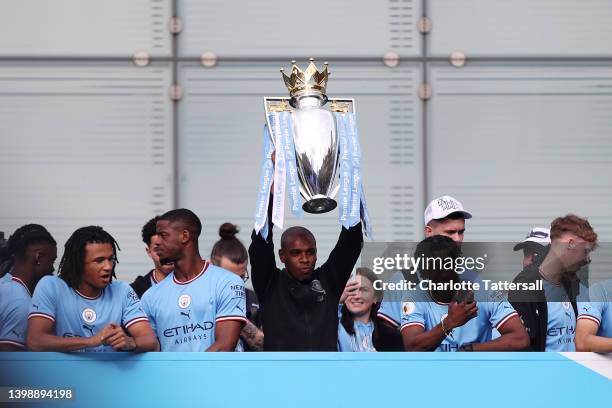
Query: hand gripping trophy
point(317, 153)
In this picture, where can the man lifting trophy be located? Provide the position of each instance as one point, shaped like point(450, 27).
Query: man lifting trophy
point(317, 153)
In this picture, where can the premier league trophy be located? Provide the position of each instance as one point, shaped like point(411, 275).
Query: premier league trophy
point(317, 153)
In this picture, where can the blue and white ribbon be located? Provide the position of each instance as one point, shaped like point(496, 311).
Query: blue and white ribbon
point(344, 192)
point(365, 216)
point(280, 171)
point(355, 152)
point(265, 181)
point(285, 171)
point(293, 182)
point(352, 204)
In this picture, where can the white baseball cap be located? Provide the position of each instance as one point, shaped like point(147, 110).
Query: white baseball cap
point(442, 207)
point(537, 235)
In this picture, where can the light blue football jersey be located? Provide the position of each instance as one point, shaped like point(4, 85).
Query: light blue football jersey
point(390, 308)
point(393, 300)
point(360, 341)
point(6, 277)
point(15, 301)
point(599, 308)
point(477, 330)
point(561, 326)
point(76, 315)
point(184, 314)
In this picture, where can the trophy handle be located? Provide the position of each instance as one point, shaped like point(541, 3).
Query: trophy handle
point(281, 104)
point(275, 104)
point(342, 105)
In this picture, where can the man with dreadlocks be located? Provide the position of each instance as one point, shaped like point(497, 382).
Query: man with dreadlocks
point(84, 309)
point(32, 251)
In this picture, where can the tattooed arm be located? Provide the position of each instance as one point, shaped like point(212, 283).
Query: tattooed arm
point(253, 336)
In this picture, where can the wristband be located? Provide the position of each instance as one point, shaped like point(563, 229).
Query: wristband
point(446, 332)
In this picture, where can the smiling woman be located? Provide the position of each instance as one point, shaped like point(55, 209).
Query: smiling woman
point(358, 314)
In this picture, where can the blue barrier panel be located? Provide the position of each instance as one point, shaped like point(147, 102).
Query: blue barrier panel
point(309, 379)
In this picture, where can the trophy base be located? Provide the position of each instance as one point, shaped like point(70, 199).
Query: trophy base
point(319, 205)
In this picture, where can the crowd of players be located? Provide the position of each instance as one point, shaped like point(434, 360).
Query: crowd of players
point(188, 303)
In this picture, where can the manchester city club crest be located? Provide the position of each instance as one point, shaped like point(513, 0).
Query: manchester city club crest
point(184, 301)
point(89, 315)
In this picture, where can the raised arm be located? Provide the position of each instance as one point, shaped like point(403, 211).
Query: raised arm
point(262, 258)
point(343, 257)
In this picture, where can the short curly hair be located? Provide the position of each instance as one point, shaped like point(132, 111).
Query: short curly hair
point(572, 224)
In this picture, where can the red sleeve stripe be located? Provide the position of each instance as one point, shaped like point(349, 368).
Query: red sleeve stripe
point(412, 324)
point(387, 319)
point(589, 317)
point(224, 318)
point(14, 343)
point(505, 319)
point(39, 314)
point(136, 320)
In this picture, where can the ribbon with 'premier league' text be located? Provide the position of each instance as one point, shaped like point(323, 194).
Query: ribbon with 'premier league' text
point(293, 182)
point(280, 173)
point(344, 192)
point(285, 168)
point(284, 172)
point(265, 181)
point(352, 203)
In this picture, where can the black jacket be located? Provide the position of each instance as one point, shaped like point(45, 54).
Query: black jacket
point(252, 308)
point(532, 307)
point(390, 338)
point(302, 316)
point(142, 283)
